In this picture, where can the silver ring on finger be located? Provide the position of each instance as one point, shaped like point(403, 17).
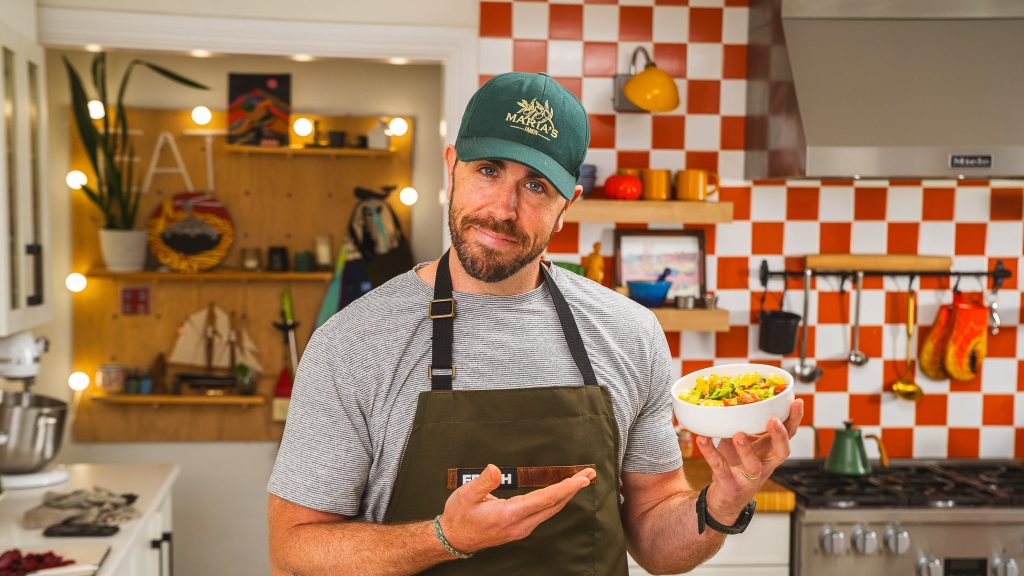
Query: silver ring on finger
point(750, 476)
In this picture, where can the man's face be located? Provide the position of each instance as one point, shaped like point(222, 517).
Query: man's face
point(502, 216)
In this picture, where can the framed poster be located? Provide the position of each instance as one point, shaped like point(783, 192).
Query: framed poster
point(644, 254)
point(259, 106)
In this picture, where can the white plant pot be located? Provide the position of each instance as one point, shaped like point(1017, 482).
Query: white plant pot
point(124, 250)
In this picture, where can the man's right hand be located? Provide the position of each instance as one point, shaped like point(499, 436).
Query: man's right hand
point(475, 519)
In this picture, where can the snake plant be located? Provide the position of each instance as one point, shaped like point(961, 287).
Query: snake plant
point(109, 147)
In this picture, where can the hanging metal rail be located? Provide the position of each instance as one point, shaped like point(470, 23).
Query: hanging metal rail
point(999, 273)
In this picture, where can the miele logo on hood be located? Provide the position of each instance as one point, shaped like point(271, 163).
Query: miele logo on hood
point(970, 161)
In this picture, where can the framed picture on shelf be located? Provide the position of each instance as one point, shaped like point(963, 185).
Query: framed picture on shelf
point(644, 254)
point(259, 109)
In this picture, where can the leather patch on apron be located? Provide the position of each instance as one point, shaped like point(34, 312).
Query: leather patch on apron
point(520, 477)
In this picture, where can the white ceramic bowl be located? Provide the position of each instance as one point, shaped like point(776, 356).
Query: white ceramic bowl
point(725, 421)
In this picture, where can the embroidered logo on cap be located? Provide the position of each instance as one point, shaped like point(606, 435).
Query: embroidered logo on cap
point(534, 118)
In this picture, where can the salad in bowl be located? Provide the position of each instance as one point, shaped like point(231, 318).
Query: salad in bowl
point(722, 400)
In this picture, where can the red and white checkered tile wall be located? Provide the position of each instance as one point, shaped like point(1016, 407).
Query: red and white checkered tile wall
point(702, 43)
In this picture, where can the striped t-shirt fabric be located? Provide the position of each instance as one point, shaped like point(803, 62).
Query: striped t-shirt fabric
point(356, 387)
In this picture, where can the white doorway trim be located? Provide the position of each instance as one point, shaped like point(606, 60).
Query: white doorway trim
point(454, 48)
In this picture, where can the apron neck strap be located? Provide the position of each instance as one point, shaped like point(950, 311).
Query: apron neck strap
point(441, 371)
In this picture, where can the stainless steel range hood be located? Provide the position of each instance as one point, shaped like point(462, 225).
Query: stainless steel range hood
point(889, 89)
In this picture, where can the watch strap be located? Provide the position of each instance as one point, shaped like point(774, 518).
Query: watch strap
point(706, 520)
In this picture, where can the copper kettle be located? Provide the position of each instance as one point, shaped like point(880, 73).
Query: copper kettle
point(848, 456)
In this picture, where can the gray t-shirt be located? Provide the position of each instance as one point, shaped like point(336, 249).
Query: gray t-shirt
point(359, 378)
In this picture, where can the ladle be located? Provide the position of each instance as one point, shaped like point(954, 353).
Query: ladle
point(804, 372)
point(905, 387)
point(856, 357)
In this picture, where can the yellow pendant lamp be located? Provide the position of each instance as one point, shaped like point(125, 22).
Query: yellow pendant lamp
point(652, 89)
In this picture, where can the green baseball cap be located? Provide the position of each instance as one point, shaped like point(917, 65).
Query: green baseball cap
point(529, 119)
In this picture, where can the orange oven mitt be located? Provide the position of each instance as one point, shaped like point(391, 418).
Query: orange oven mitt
point(968, 340)
point(934, 347)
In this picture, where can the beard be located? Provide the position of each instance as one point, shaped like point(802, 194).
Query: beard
point(487, 264)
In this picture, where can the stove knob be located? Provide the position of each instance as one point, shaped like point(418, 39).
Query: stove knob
point(865, 541)
point(929, 566)
point(896, 540)
point(1004, 567)
point(833, 542)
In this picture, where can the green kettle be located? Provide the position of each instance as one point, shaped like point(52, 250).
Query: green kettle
point(848, 456)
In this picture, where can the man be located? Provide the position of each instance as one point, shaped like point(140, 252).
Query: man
point(483, 413)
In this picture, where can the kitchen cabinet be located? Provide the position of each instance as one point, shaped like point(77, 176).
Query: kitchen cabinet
point(151, 551)
point(762, 550)
point(142, 547)
point(24, 297)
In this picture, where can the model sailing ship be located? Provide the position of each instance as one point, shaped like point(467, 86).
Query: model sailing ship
point(212, 353)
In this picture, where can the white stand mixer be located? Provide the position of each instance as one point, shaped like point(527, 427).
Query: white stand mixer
point(31, 425)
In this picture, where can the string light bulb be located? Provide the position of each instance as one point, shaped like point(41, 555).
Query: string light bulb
point(78, 381)
point(96, 110)
point(408, 196)
point(398, 126)
point(76, 179)
point(303, 126)
point(75, 282)
point(201, 115)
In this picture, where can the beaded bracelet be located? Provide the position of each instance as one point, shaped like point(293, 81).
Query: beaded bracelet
point(444, 541)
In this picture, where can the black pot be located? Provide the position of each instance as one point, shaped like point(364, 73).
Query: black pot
point(778, 331)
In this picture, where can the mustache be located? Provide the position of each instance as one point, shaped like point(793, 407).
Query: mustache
point(505, 228)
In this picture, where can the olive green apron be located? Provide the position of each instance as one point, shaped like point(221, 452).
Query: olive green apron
point(531, 434)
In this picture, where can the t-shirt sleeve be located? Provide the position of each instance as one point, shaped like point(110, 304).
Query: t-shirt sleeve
point(652, 446)
point(325, 454)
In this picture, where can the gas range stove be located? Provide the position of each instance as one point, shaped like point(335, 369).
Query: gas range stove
point(908, 485)
point(932, 518)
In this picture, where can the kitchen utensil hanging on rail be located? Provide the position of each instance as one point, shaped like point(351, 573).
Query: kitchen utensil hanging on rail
point(905, 387)
point(776, 328)
point(804, 372)
point(958, 341)
point(856, 357)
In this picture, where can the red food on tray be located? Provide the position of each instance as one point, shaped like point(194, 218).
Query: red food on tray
point(14, 563)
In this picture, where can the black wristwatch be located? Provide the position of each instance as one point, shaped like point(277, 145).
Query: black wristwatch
point(704, 517)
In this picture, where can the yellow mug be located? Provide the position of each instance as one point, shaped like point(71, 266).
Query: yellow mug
point(692, 184)
point(657, 183)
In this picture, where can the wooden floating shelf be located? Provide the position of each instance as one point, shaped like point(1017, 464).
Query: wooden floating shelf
point(645, 211)
point(695, 320)
point(288, 151)
point(879, 262)
point(218, 275)
point(179, 400)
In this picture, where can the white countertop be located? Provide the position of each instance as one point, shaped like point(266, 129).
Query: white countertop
point(151, 482)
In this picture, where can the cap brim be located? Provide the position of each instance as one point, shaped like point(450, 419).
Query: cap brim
point(471, 149)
